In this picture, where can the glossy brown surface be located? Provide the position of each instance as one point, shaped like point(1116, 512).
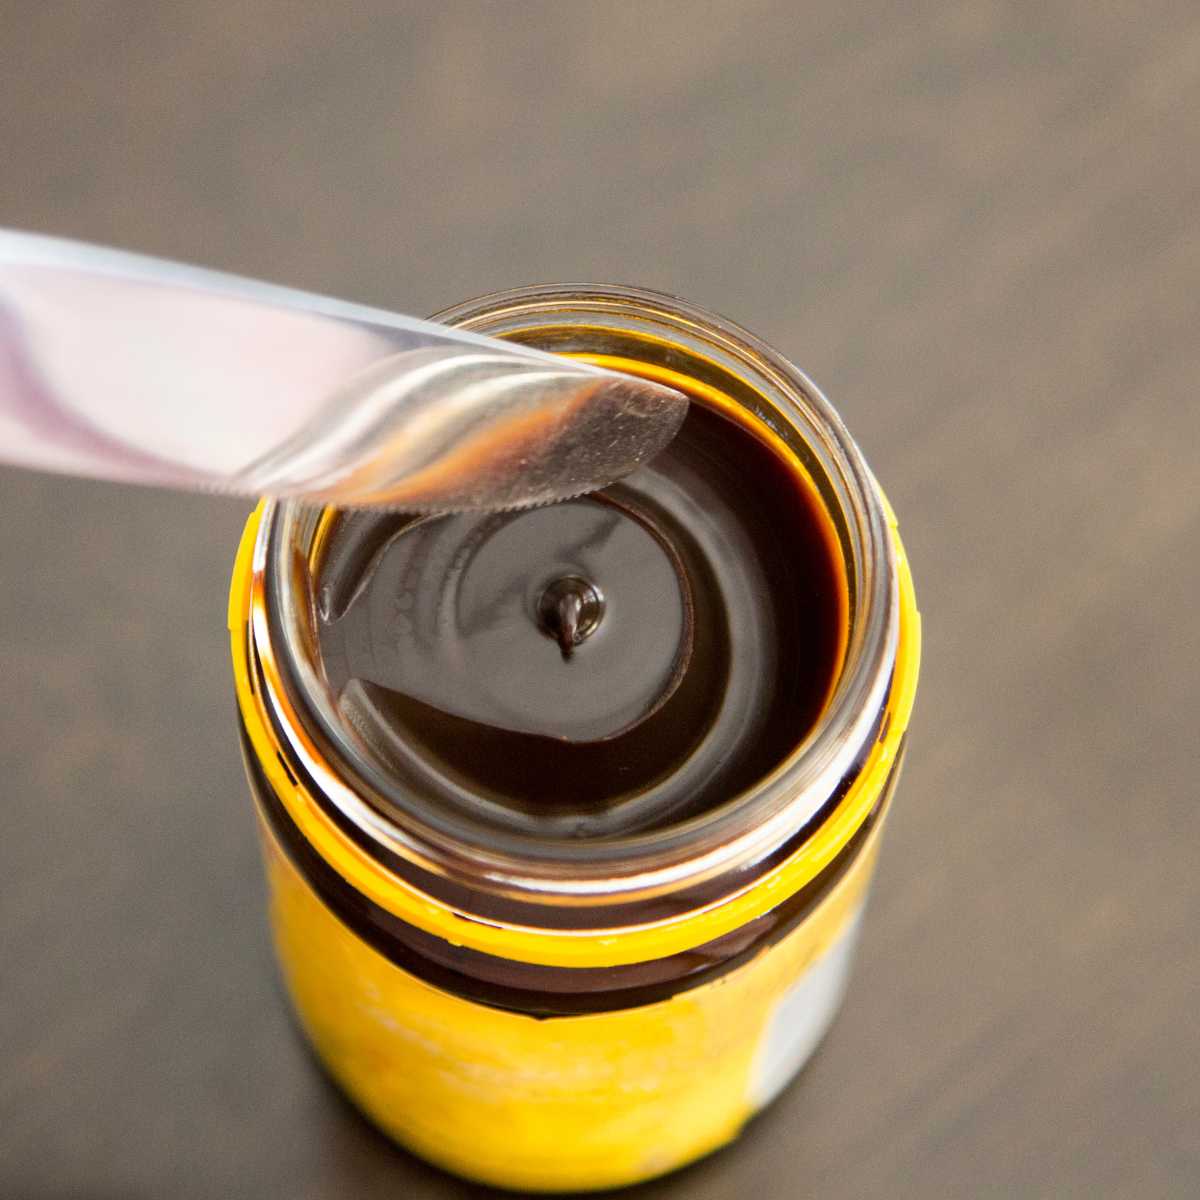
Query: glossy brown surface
point(976, 224)
point(712, 661)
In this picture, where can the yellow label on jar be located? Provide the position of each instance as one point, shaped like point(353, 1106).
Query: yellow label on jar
point(565, 1103)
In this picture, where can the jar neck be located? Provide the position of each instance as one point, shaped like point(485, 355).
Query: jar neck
point(708, 854)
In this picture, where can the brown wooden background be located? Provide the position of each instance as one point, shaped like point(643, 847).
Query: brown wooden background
point(976, 224)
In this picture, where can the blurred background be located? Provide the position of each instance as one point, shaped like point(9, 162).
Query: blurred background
point(975, 224)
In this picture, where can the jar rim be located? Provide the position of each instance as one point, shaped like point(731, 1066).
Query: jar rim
point(746, 827)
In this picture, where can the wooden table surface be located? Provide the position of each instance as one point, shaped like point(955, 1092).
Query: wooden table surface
point(976, 224)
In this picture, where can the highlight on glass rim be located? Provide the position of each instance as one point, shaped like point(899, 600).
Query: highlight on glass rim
point(598, 597)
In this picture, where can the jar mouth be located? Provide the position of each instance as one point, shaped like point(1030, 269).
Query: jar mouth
point(747, 827)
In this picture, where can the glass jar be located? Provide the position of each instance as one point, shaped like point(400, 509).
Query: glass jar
point(563, 1014)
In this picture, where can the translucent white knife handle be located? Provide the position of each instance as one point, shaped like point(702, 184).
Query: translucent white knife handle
point(135, 369)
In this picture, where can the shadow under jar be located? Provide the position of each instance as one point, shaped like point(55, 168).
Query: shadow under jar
point(569, 814)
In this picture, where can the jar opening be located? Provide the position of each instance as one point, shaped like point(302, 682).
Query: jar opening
point(359, 764)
